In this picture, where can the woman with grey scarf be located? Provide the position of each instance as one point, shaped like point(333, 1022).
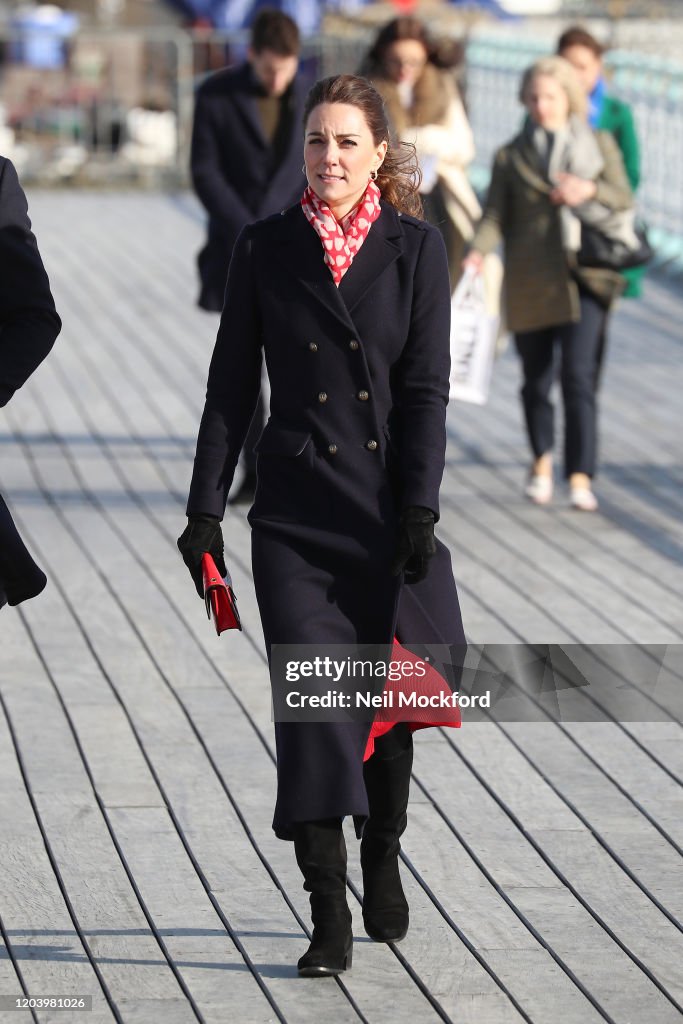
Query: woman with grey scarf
point(553, 179)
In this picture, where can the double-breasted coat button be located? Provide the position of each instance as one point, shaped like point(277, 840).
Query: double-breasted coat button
point(353, 345)
point(363, 395)
point(312, 346)
point(332, 449)
point(322, 397)
point(371, 446)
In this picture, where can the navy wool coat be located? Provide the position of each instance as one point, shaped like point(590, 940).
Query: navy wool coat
point(237, 174)
point(359, 386)
point(29, 326)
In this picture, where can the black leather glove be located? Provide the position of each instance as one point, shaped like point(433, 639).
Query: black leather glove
point(202, 533)
point(416, 544)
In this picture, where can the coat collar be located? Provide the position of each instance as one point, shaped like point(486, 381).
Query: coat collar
point(245, 96)
point(527, 163)
point(432, 96)
point(522, 145)
point(301, 254)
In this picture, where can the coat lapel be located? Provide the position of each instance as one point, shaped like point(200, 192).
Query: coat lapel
point(379, 250)
point(528, 164)
point(244, 100)
point(301, 253)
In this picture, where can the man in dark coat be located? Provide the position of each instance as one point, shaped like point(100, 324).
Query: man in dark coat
point(246, 159)
point(29, 326)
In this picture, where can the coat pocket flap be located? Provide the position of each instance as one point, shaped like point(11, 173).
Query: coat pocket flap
point(277, 440)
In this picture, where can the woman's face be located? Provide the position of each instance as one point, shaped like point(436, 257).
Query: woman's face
point(404, 60)
point(340, 154)
point(547, 103)
point(588, 65)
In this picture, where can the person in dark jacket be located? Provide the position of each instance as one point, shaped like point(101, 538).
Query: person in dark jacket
point(246, 161)
point(29, 326)
point(347, 294)
point(606, 113)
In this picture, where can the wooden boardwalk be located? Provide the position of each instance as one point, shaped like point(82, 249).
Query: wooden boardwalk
point(137, 863)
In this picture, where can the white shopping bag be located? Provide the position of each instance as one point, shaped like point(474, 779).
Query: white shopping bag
point(473, 340)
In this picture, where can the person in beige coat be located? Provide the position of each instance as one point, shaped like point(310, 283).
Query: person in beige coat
point(417, 83)
point(555, 177)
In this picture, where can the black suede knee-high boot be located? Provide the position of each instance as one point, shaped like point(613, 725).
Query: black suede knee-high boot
point(321, 855)
point(387, 780)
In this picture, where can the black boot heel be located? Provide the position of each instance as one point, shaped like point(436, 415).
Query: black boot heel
point(331, 947)
point(324, 960)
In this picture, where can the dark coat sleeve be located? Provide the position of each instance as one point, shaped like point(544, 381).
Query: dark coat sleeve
point(29, 323)
point(232, 389)
point(421, 382)
point(217, 195)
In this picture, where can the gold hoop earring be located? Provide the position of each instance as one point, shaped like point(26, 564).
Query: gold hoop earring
point(373, 175)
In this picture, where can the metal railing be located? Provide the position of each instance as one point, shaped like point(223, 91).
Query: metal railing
point(121, 108)
point(653, 87)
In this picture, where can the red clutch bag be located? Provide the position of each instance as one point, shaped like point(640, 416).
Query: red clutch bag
point(219, 597)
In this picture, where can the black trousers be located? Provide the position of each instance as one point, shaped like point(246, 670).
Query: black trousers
point(579, 345)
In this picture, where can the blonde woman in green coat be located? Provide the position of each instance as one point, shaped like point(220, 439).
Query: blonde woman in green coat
point(556, 175)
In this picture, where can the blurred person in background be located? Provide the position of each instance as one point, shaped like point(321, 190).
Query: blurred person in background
point(246, 162)
point(548, 180)
point(416, 80)
point(609, 114)
point(29, 326)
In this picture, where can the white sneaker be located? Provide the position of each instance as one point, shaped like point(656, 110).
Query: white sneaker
point(583, 499)
point(539, 489)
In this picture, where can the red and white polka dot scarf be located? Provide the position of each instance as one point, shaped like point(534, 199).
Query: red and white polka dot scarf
point(342, 239)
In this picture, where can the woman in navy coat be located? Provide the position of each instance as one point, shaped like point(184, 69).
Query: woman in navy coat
point(349, 469)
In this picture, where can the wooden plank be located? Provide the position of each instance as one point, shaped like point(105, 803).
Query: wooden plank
point(128, 410)
point(49, 951)
point(140, 612)
point(9, 981)
point(236, 984)
point(504, 850)
point(496, 431)
point(536, 980)
point(104, 903)
point(199, 828)
point(164, 734)
point(548, 575)
point(634, 771)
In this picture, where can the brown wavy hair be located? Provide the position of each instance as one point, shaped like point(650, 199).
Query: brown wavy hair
point(444, 54)
point(399, 176)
